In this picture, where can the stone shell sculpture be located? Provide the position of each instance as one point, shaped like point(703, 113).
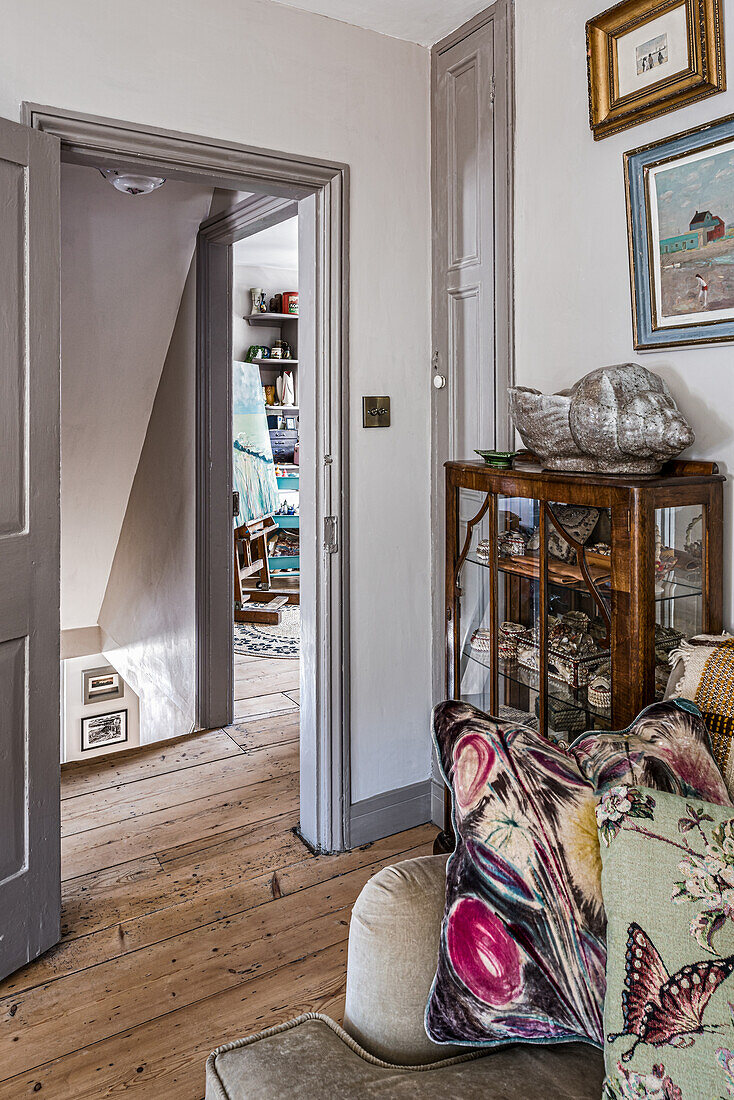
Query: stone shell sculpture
point(614, 420)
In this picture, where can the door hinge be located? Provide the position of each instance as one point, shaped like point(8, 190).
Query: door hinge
point(331, 537)
point(491, 90)
point(235, 504)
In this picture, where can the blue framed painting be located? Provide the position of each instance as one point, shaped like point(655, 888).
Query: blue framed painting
point(680, 217)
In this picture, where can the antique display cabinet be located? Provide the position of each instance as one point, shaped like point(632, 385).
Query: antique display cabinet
point(566, 593)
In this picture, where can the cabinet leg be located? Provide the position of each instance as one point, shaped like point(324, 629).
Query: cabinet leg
point(444, 843)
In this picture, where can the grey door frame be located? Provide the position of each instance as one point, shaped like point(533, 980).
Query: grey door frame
point(503, 105)
point(322, 190)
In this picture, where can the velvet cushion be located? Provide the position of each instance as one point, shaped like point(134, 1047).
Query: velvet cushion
point(666, 747)
point(703, 671)
point(668, 884)
point(522, 941)
point(312, 1057)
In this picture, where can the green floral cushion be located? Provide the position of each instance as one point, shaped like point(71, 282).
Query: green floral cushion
point(668, 887)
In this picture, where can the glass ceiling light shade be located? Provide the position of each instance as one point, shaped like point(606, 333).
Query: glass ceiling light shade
point(132, 183)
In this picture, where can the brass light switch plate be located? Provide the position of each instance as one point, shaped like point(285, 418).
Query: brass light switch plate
point(375, 412)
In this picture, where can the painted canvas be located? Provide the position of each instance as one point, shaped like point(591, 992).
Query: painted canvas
point(253, 469)
point(692, 204)
point(680, 206)
point(652, 54)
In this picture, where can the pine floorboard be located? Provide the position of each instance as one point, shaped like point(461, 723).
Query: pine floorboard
point(192, 913)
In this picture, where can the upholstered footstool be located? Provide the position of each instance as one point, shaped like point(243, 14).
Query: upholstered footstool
point(383, 1049)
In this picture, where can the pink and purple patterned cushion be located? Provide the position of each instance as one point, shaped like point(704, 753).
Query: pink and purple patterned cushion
point(522, 951)
point(522, 944)
point(667, 747)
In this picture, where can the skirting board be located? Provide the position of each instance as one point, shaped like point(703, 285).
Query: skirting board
point(438, 789)
point(388, 813)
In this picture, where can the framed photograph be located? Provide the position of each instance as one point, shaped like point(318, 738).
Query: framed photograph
point(104, 729)
point(680, 219)
point(647, 57)
point(101, 683)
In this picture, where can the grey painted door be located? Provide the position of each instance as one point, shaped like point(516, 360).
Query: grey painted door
point(464, 240)
point(30, 895)
point(471, 153)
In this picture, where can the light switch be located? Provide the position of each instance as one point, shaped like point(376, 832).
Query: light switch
point(375, 412)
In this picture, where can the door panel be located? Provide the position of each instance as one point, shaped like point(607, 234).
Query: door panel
point(12, 427)
point(463, 113)
point(30, 895)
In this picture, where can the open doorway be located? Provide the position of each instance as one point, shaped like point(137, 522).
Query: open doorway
point(317, 195)
point(129, 485)
point(266, 472)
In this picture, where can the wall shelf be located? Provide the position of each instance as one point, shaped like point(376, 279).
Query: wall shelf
point(274, 363)
point(270, 318)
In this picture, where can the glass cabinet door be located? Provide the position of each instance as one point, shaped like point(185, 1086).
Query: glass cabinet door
point(578, 619)
point(679, 542)
point(535, 628)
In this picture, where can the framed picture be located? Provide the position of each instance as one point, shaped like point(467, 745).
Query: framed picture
point(101, 683)
point(104, 729)
point(647, 57)
point(680, 219)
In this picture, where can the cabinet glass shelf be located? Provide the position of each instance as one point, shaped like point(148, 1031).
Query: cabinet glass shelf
point(523, 677)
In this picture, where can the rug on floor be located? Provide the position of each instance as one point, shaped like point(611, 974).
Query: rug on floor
point(264, 640)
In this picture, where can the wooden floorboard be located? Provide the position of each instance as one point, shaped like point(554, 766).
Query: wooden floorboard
point(192, 913)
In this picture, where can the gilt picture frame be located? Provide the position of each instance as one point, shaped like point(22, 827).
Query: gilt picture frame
point(648, 57)
point(680, 223)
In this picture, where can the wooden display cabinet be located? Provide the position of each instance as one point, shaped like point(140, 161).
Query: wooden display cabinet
point(520, 550)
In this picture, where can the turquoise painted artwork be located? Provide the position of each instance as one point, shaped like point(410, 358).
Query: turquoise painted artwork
point(253, 469)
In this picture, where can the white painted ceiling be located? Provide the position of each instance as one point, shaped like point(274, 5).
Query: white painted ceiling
point(124, 262)
point(421, 21)
point(273, 247)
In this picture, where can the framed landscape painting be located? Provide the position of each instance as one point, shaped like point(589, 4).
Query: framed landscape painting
point(647, 57)
point(680, 216)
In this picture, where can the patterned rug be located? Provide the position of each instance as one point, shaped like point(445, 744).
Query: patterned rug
point(263, 640)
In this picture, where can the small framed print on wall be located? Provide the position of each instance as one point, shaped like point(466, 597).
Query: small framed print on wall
point(680, 219)
point(647, 57)
point(101, 730)
point(101, 683)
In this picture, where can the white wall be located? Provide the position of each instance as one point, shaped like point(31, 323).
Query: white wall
point(572, 287)
point(124, 261)
point(148, 616)
point(340, 93)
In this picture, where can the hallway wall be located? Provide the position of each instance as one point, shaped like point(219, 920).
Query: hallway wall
point(148, 613)
point(124, 261)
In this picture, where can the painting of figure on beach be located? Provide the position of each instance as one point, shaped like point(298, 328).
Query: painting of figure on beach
point(253, 470)
point(651, 54)
point(692, 207)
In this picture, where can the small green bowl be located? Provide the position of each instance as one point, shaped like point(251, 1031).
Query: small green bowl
point(499, 460)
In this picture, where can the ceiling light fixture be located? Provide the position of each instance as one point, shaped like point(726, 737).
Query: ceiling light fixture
point(131, 182)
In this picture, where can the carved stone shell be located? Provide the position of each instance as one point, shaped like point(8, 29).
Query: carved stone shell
point(617, 420)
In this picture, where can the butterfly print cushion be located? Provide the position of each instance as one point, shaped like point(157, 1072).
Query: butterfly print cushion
point(668, 885)
point(522, 951)
point(667, 747)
